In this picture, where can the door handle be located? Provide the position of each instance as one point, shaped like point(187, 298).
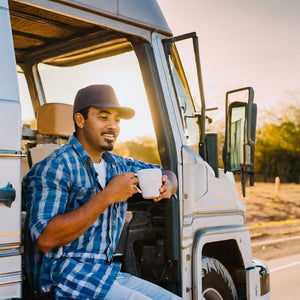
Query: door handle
point(7, 195)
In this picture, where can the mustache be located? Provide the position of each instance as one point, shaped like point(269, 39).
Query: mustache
point(112, 132)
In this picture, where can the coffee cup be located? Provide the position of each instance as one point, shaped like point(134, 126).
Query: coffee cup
point(150, 181)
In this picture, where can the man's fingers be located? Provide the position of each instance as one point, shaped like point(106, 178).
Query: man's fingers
point(123, 186)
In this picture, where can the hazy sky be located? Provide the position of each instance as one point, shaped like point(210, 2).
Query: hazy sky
point(243, 43)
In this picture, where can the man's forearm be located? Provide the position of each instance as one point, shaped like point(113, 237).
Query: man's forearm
point(67, 227)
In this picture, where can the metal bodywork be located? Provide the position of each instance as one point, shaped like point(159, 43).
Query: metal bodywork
point(10, 167)
point(205, 217)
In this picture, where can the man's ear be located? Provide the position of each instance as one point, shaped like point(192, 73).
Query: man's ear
point(79, 120)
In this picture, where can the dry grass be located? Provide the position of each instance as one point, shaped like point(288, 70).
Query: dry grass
point(271, 214)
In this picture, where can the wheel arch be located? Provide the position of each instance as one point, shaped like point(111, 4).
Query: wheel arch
point(229, 245)
point(233, 263)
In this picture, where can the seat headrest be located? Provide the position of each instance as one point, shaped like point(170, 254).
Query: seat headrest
point(55, 119)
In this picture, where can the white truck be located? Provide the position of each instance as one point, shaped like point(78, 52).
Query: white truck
point(196, 244)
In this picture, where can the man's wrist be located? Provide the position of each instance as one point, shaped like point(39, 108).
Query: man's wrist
point(105, 198)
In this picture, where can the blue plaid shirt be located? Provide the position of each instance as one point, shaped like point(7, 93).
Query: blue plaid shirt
point(63, 181)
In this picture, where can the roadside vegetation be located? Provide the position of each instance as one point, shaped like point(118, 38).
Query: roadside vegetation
point(277, 150)
point(272, 212)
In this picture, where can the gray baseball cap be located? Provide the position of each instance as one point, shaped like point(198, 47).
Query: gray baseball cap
point(101, 96)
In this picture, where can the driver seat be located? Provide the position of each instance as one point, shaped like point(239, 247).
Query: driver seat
point(54, 127)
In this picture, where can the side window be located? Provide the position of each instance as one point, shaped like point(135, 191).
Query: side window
point(184, 100)
point(27, 113)
point(27, 119)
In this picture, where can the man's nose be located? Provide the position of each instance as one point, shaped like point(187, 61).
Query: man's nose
point(112, 123)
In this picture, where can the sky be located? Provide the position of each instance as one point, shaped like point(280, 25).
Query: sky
point(243, 43)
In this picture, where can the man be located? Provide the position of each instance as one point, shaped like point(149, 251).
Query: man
point(76, 205)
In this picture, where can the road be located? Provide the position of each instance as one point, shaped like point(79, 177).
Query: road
point(285, 275)
point(283, 259)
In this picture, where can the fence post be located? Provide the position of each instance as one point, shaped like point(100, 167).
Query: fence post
point(277, 186)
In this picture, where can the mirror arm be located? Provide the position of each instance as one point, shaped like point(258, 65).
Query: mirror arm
point(202, 116)
point(246, 169)
point(198, 116)
point(193, 35)
point(244, 177)
point(202, 146)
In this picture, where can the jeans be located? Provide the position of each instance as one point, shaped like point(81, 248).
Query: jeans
point(130, 287)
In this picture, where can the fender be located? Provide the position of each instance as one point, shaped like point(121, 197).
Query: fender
point(239, 238)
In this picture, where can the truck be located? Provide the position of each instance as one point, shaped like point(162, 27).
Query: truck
point(195, 244)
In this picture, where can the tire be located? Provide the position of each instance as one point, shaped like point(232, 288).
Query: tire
point(217, 283)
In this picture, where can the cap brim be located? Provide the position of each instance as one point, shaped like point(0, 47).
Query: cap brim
point(126, 112)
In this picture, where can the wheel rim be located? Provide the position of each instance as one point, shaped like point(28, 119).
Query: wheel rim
point(211, 294)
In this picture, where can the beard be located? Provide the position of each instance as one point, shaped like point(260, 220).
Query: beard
point(107, 147)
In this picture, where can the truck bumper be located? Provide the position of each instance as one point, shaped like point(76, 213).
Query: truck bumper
point(258, 277)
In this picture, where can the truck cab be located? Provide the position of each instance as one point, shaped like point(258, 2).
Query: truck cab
point(195, 244)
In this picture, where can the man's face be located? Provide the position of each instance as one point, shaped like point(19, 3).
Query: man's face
point(101, 129)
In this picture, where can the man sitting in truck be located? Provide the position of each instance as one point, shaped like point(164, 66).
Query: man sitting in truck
point(76, 206)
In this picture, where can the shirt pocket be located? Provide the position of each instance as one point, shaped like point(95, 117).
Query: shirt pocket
point(80, 195)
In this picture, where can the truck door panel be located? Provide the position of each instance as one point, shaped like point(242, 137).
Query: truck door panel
point(10, 164)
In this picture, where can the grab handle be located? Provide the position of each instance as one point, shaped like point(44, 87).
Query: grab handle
point(7, 195)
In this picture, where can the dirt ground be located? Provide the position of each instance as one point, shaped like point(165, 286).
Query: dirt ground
point(272, 213)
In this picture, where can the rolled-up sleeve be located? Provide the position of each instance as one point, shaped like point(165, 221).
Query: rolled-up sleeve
point(47, 195)
point(135, 165)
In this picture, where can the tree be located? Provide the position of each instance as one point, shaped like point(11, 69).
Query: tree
point(143, 148)
point(278, 147)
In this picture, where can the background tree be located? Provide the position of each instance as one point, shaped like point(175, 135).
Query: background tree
point(142, 148)
point(277, 150)
point(278, 145)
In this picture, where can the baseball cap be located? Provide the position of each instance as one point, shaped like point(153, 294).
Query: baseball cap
point(101, 96)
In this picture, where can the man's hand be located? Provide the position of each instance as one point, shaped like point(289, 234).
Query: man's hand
point(121, 187)
point(169, 186)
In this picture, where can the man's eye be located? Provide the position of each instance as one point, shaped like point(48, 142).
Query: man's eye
point(102, 117)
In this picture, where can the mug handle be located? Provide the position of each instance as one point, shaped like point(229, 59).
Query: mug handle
point(138, 189)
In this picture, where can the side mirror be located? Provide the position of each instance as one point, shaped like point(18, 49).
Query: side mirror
point(239, 146)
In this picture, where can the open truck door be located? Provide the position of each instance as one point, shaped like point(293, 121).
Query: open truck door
point(10, 164)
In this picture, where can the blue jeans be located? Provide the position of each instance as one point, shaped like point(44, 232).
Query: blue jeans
point(130, 287)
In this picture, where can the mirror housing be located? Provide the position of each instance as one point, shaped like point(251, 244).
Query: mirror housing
point(239, 146)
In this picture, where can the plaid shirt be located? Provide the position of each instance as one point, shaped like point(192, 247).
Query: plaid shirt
point(63, 181)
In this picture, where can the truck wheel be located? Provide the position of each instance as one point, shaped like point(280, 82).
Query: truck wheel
point(217, 283)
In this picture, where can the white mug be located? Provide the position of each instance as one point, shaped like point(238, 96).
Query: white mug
point(150, 181)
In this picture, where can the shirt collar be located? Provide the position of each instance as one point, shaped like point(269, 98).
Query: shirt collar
point(107, 156)
point(78, 148)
